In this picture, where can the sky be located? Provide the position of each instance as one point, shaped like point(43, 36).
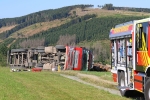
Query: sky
point(17, 8)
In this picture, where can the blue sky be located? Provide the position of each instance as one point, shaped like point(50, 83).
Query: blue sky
point(17, 8)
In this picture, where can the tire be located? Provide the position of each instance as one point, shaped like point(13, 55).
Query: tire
point(60, 47)
point(18, 50)
point(147, 90)
point(121, 82)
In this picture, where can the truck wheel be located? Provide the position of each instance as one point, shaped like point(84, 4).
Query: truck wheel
point(121, 83)
point(147, 90)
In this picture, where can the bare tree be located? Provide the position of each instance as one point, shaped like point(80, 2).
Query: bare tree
point(67, 40)
point(32, 43)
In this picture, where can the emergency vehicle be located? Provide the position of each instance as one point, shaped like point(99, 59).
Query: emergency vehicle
point(130, 57)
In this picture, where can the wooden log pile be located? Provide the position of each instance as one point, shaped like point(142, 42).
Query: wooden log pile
point(101, 67)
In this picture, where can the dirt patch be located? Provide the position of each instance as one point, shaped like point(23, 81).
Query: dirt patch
point(3, 29)
point(95, 78)
point(36, 28)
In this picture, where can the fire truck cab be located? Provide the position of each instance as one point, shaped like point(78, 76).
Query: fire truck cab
point(130, 57)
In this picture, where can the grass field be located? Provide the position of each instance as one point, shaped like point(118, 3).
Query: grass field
point(98, 78)
point(103, 75)
point(47, 86)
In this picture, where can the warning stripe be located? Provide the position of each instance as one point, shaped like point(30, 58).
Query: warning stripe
point(114, 77)
point(137, 77)
point(138, 82)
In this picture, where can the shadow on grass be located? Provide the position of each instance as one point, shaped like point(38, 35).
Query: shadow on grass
point(134, 95)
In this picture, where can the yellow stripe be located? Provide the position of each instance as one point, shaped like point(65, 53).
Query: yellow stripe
point(139, 90)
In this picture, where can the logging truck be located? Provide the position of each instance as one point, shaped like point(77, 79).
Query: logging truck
point(130, 57)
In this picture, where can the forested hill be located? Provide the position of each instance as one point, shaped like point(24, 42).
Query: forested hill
point(67, 25)
point(42, 16)
point(111, 7)
point(91, 30)
point(45, 15)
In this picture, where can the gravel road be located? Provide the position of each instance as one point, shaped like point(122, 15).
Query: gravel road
point(116, 92)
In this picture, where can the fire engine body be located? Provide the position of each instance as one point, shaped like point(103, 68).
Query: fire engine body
point(130, 57)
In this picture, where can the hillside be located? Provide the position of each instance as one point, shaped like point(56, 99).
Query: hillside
point(43, 26)
point(36, 28)
point(5, 28)
point(42, 16)
point(104, 12)
point(88, 25)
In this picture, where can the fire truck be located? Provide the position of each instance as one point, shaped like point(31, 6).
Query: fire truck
point(130, 57)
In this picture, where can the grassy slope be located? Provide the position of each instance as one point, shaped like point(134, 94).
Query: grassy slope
point(46, 86)
point(98, 78)
point(103, 75)
point(36, 28)
point(102, 12)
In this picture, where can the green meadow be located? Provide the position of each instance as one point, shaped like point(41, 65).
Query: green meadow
point(47, 85)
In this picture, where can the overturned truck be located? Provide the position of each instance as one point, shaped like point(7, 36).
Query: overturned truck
point(50, 58)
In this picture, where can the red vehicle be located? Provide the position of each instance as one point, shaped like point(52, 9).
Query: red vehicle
point(78, 58)
point(130, 53)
